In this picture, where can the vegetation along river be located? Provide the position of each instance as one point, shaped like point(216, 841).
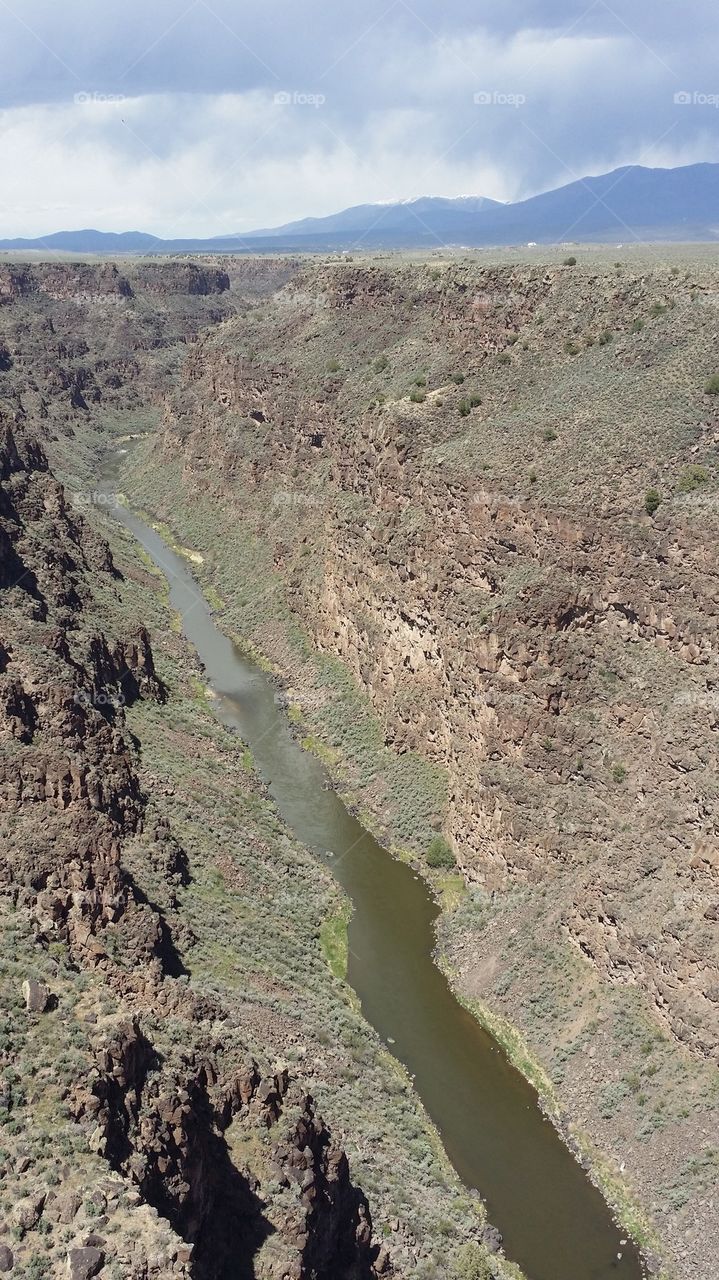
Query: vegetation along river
point(555, 1223)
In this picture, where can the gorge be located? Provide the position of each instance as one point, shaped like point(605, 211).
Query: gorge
point(421, 494)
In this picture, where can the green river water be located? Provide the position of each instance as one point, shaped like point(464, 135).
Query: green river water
point(555, 1223)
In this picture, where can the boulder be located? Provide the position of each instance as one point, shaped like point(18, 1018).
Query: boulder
point(36, 995)
point(82, 1264)
point(68, 1205)
point(7, 1260)
point(492, 1239)
point(27, 1212)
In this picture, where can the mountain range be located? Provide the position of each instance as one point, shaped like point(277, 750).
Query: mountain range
point(628, 204)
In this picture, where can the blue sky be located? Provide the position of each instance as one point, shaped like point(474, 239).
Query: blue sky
point(187, 117)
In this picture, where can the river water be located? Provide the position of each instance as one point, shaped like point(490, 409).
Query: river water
point(555, 1223)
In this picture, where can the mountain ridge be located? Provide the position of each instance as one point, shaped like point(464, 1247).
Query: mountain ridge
point(631, 202)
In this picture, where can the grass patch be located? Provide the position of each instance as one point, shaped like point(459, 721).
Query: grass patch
point(451, 890)
point(334, 943)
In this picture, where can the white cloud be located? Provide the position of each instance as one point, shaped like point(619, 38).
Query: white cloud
point(198, 145)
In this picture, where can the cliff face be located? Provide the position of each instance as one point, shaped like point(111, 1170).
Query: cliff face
point(184, 1130)
point(79, 282)
point(171, 1138)
point(491, 493)
point(539, 636)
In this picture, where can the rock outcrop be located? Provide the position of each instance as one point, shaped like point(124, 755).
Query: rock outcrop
point(491, 494)
point(71, 800)
point(555, 652)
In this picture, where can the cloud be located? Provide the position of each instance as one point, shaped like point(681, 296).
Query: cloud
point(165, 117)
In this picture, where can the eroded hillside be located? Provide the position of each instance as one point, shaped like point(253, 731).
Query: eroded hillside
point(489, 495)
point(172, 1033)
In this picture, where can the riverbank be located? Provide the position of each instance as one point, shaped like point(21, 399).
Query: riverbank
point(305, 730)
point(276, 962)
point(260, 730)
point(626, 1023)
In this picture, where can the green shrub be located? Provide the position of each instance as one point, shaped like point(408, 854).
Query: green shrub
point(474, 401)
point(380, 364)
point(458, 378)
point(692, 477)
point(504, 358)
point(637, 325)
point(619, 773)
point(417, 396)
point(464, 408)
point(605, 337)
point(471, 1263)
point(570, 262)
point(712, 386)
point(333, 366)
point(549, 434)
point(420, 380)
point(571, 348)
point(652, 499)
point(439, 854)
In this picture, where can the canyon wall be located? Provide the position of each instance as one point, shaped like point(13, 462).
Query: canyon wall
point(469, 514)
point(543, 639)
point(491, 494)
point(71, 797)
point(163, 1092)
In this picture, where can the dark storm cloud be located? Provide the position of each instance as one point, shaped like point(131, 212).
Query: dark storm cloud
point(215, 46)
point(500, 99)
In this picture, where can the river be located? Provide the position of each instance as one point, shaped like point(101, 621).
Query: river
point(555, 1223)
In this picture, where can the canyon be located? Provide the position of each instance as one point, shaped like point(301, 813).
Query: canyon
point(466, 513)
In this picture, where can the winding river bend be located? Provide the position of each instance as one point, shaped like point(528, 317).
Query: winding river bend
point(555, 1223)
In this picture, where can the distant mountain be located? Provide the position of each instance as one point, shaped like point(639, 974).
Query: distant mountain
point(91, 242)
point(402, 216)
point(632, 203)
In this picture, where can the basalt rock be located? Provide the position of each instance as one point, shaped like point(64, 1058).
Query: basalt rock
point(36, 995)
point(71, 802)
point(172, 1134)
point(477, 614)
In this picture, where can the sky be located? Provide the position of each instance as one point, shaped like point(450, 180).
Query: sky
point(195, 118)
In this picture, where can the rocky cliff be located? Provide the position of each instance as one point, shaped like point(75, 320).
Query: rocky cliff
point(479, 611)
point(71, 797)
point(172, 1033)
point(469, 513)
point(491, 494)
